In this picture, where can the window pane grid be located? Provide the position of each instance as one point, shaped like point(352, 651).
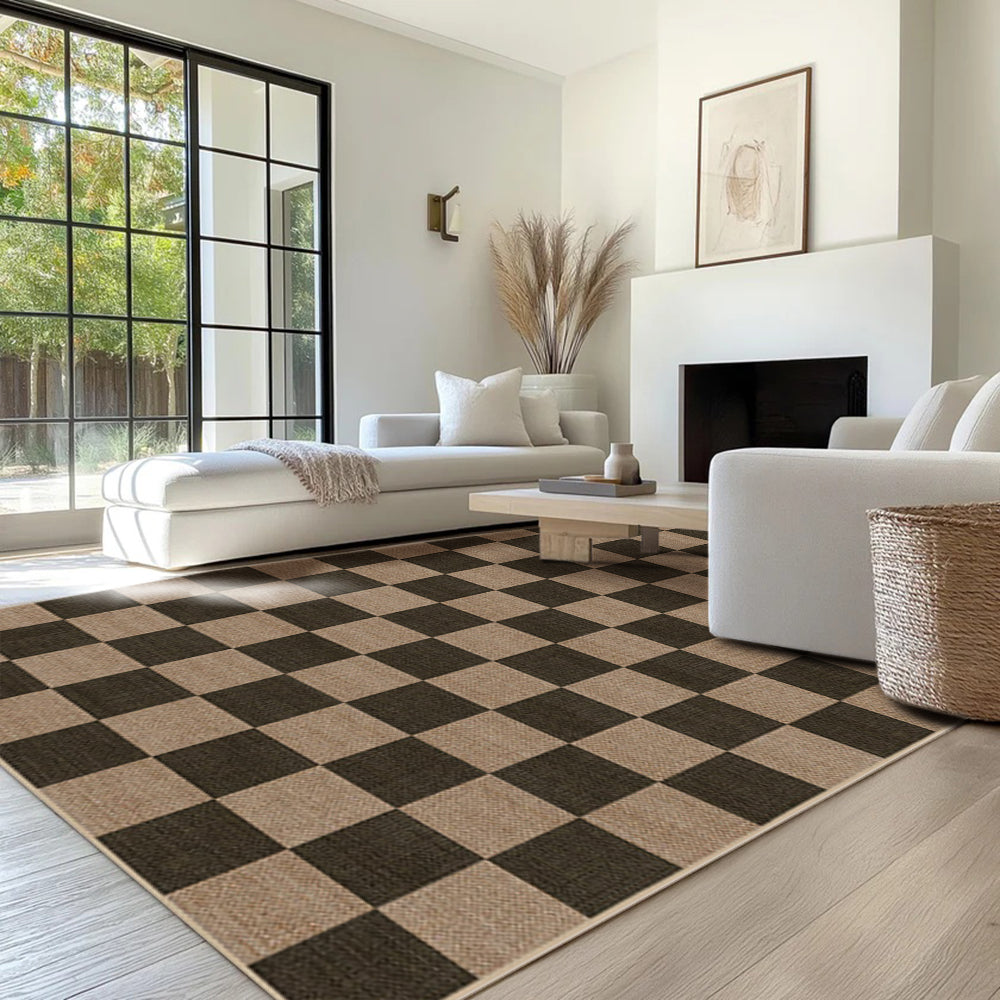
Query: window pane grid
point(138, 318)
point(106, 420)
point(78, 224)
point(70, 273)
point(268, 255)
point(37, 119)
point(293, 319)
point(260, 159)
point(249, 243)
point(89, 371)
point(253, 416)
point(129, 351)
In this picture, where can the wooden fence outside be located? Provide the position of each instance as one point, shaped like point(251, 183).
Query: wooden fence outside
point(101, 388)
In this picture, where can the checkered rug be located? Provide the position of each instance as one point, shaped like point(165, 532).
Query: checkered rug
point(386, 774)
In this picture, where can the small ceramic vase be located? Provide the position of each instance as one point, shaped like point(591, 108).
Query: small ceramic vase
point(622, 465)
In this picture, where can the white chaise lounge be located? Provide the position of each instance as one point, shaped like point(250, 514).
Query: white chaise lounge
point(202, 507)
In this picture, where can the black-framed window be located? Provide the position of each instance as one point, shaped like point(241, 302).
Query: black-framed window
point(137, 195)
point(93, 262)
point(261, 300)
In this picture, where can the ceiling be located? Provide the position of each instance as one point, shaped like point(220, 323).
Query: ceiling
point(557, 37)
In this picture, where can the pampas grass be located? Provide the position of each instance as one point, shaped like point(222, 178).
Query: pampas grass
point(554, 284)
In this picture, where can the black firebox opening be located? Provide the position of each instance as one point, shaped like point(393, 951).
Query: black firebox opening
point(773, 404)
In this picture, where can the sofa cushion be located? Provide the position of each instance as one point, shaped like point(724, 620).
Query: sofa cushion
point(481, 413)
point(978, 429)
point(541, 417)
point(207, 480)
point(931, 422)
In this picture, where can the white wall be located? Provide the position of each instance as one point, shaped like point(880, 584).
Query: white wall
point(609, 157)
point(409, 119)
point(853, 46)
point(916, 118)
point(967, 167)
point(630, 133)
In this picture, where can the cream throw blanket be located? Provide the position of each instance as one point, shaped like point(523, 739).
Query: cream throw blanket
point(332, 473)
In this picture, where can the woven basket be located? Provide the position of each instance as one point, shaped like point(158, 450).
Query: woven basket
point(937, 606)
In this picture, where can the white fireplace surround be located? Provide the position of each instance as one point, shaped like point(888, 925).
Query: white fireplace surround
point(895, 302)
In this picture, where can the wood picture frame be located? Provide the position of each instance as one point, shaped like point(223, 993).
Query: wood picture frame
point(753, 170)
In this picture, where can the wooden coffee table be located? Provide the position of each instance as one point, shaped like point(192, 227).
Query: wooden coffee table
point(568, 524)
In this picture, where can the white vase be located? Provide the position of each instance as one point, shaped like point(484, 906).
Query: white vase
point(573, 391)
point(622, 465)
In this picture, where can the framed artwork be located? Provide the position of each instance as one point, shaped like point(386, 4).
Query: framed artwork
point(753, 170)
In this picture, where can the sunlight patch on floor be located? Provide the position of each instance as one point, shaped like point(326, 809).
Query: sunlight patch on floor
point(41, 577)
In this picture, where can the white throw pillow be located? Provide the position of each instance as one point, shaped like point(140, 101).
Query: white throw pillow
point(541, 417)
point(978, 429)
point(931, 423)
point(483, 413)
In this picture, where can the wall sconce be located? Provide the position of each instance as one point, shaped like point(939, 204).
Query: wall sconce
point(444, 215)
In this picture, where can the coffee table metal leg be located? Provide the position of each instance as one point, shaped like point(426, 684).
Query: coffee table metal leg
point(649, 541)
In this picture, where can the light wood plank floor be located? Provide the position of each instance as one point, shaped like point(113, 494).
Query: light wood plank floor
point(890, 889)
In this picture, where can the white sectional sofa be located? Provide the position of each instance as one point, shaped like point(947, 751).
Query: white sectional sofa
point(201, 507)
point(790, 558)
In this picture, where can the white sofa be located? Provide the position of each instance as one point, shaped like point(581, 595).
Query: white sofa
point(790, 563)
point(186, 510)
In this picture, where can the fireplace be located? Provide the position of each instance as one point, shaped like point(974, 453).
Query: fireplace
point(783, 404)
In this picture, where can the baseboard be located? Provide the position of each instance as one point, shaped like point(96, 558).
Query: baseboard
point(50, 529)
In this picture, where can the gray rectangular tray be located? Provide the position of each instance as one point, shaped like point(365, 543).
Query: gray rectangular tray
point(583, 488)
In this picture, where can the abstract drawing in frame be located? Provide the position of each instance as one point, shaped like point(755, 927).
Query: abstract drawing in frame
point(753, 170)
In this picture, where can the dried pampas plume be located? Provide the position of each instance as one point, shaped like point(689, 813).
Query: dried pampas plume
point(553, 284)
